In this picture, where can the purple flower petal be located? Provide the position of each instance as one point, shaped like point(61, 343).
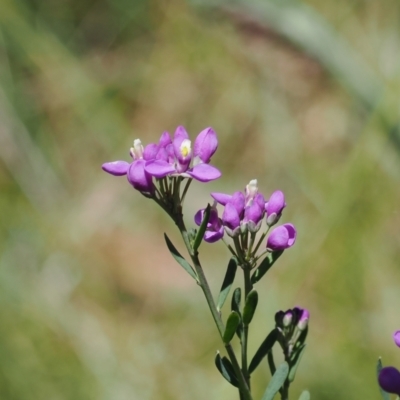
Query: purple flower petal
point(139, 178)
point(180, 134)
point(389, 380)
point(150, 151)
point(230, 217)
point(116, 168)
point(205, 145)
point(213, 236)
point(282, 237)
point(165, 140)
point(276, 203)
point(238, 201)
point(396, 338)
point(204, 172)
point(221, 198)
point(159, 168)
point(253, 213)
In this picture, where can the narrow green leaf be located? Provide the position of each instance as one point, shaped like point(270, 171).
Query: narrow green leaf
point(235, 305)
point(227, 283)
point(231, 326)
point(263, 350)
point(200, 233)
point(305, 395)
point(265, 265)
point(181, 261)
point(296, 362)
point(250, 307)
point(225, 368)
point(236, 299)
point(276, 382)
point(384, 394)
point(271, 362)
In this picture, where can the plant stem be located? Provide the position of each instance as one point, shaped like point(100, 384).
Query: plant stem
point(245, 334)
point(243, 386)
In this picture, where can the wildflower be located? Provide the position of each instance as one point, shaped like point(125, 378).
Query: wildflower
point(173, 157)
point(281, 237)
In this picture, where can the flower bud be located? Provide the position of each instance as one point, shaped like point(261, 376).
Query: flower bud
point(389, 380)
point(274, 207)
point(282, 237)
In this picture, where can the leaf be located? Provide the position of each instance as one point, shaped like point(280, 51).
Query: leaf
point(250, 307)
point(225, 368)
point(305, 395)
point(384, 394)
point(265, 265)
point(231, 326)
point(277, 381)
point(296, 362)
point(235, 305)
point(263, 350)
point(227, 283)
point(200, 233)
point(186, 266)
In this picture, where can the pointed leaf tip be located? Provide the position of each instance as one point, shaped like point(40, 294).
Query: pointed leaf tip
point(227, 283)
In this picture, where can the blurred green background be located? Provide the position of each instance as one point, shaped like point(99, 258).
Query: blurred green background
point(304, 96)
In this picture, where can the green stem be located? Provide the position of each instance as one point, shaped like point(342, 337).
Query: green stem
point(243, 387)
point(245, 333)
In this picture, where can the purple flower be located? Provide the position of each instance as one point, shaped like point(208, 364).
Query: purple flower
point(136, 174)
point(174, 158)
point(274, 207)
point(389, 380)
point(281, 237)
point(214, 230)
point(396, 338)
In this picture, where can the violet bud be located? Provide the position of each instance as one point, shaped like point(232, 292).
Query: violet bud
point(396, 338)
point(287, 318)
point(231, 220)
point(282, 237)
point(253, 216)
point(389, 380)
point(205, 145)
point(274, 207)
point(303, 321)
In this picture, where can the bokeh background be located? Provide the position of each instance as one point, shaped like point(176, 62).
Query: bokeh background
point(304, 96)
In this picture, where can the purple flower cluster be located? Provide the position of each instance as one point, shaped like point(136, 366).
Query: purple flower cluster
point(244, 212)
point(169, 157)
point(389, 377)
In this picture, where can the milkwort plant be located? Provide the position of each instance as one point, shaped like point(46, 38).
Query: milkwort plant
point(163, 172)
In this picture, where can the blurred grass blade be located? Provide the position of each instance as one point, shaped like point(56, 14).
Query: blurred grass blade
point(181, 261)
point(227, 283)
point(277, 381)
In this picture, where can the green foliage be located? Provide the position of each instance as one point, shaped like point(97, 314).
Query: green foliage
point(276, 382)
point(227, 283)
